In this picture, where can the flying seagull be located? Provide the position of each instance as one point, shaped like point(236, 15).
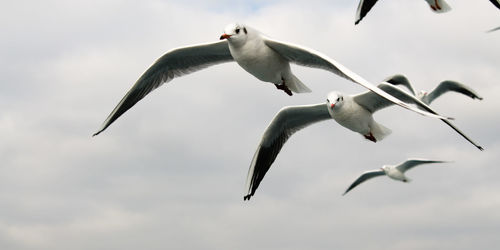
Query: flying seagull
point(364, 6)
point(443, 87)
point(395, 172)
point(351, 111)
point(265, 58)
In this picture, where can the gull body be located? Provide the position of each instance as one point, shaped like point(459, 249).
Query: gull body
point(265, 58)
point(395, 172)
point(354, 112)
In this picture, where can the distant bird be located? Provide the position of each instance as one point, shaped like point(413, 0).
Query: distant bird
point(443, 87)
point(351, 111)
point(395, 172)
point(364, 6)
point(267, 59)
point(496, 3)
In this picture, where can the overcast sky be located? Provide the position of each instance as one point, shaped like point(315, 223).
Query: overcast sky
point(170, 173)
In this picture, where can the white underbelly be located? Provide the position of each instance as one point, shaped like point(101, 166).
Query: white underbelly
point(265, 64)
point(355, 119)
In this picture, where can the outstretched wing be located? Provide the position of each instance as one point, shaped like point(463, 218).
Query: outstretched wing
point(400, 80)
point(288, 121)
point(411, 163)
point(364, 7)
point(175, 63)
point(314, 59)
point(373, 102)
point(446, 86)
point(364, 177)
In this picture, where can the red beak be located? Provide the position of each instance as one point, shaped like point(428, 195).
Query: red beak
point(224, 36)
point(333, 105)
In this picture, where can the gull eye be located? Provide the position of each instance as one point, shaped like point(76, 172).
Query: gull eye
point(341, 98)
point(338, 99)
point(327, 100)
point(237, 31)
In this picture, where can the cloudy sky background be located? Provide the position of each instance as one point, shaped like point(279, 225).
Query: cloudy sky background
point(170, 173)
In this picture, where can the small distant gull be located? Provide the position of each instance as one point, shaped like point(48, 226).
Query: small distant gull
point(351, 111)
point(395, 172)
point(364, 6)
point(265, 58)
point(443, 87)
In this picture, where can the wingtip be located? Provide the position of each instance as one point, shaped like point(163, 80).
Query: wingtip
point(480, 148)
point(247, 197)
point(98, 132)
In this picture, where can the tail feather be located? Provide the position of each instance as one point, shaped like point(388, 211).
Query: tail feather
point(294, 84)
point(379, 131)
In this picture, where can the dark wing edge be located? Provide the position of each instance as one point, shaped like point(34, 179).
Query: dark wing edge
point(364, 177)
point(373, 102)
point(448, 85)
point(308, 57)
point(411, 163)
point(364, 7)
point(284, 124)
point(496, 3)
point(400, 80)
point(175, 63)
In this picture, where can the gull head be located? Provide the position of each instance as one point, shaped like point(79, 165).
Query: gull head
point(335, 100)
point(421, 94)
point(385, 168)
point(235, 33)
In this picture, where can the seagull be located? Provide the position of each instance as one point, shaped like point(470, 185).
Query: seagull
point(496, 3)
point(265, 58)
point(443, 87)
point(351, 111)
point(395, 172)
point(364, 6)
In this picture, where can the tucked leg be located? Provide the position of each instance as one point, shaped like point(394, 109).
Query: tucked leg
point(283, 87)
point(370, 137)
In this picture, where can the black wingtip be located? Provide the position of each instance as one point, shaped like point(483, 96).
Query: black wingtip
point(480, 148)
point(247, 197)
point(98, 132)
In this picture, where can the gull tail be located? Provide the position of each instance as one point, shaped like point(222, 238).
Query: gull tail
point(294, 84)
point(379, 131)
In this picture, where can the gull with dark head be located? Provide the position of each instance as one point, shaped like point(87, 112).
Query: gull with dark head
point(265, 58)
point(395, 172)
point(429, 97)
point(354, 112)
point(364, 6)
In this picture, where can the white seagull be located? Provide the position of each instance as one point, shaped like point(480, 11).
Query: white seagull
point(351, 111)
point(364, 6)
point(443, 87)
point(265, 58)
point(395, 172)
